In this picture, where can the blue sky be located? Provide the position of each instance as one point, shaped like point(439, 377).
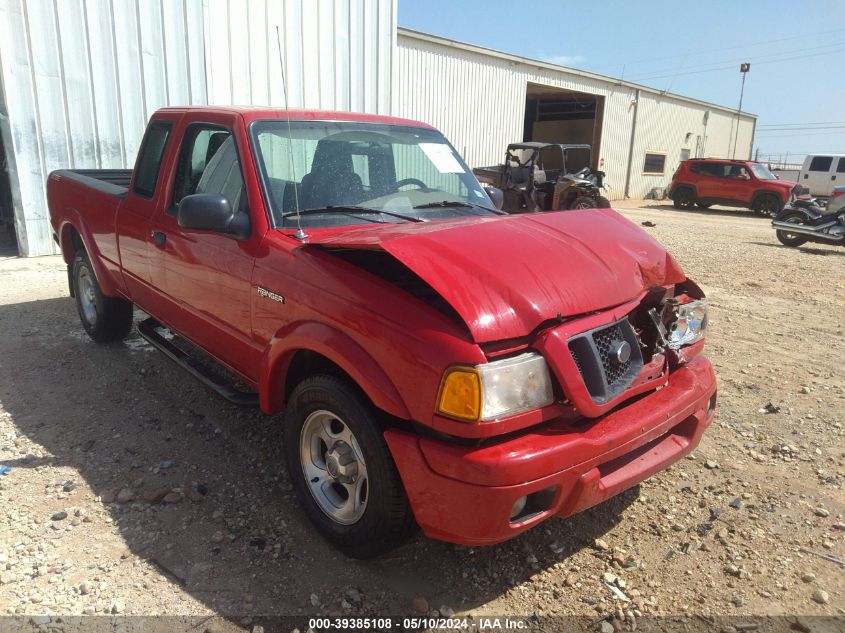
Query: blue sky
point(796, 50)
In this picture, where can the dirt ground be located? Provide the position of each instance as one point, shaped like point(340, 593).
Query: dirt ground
point(752, 523)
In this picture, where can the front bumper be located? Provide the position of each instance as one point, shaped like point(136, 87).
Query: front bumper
point(465, 494)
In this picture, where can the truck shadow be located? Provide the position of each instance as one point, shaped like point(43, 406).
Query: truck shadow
point(131, 424)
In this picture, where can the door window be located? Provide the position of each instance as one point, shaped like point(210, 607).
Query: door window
point(840, 168)
point(709, 169)
point(209, 163)
point(821, 163)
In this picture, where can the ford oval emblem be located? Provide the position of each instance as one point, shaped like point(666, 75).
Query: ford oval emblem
point(622, 352)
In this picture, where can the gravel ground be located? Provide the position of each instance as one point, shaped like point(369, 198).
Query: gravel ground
point(133, 490)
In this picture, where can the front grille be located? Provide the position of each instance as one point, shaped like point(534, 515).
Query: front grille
point(595, 355)
point(605, 341)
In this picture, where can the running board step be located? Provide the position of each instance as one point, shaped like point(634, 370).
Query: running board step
point(147, 329)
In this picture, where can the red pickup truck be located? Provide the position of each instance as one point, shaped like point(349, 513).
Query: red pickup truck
point(440, 363)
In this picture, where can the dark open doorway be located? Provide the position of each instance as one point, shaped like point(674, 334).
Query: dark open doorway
point(8, 239)
point(555, 115)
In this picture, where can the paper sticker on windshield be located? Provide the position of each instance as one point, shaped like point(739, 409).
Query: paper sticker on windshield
point(442, 157)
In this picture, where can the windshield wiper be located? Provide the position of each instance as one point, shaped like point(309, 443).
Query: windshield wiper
point(445, 204)
point(351, 210)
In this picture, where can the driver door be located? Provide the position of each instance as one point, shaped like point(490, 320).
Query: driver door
point(209, 273)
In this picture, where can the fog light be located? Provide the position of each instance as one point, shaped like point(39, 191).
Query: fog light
point(518, 507)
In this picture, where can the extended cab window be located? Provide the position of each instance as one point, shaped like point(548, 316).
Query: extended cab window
point(149, 158)
point(208, 163)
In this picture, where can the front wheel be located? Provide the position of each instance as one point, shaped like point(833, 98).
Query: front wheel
point(768, 206)
point(104, 318)
point(342, 470)
point(791, 239)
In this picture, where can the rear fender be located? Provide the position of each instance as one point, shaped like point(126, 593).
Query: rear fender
point(808, 215)
point(683, 185)
point(74, 222)
point(339, 348)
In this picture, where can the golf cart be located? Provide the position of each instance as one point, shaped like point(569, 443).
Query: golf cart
point(546, 177)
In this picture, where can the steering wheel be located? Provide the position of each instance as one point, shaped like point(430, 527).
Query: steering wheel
point(411, 181)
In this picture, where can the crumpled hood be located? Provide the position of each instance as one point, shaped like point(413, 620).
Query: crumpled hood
point(506, 275)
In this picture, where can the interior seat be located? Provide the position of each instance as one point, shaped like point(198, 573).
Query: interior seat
point(331, 181)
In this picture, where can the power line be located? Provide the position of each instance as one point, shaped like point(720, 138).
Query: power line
point(729, 48)
point(802, 126)
point(732, 65)
point(756, 58)
point(768, 136)
point(820, 128)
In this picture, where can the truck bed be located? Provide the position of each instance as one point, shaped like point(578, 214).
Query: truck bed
point(490, 175)
point(114, 182)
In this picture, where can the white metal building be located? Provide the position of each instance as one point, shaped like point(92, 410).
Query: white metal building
point(79, 78)
point(483, 99)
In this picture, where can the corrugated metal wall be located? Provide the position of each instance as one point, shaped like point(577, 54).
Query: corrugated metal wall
point(79, 78)
point(477, 99)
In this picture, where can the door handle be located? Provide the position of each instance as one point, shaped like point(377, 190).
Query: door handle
point(159, 238)
point(833, 177)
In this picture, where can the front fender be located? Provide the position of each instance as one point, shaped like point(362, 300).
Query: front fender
point(339, 348)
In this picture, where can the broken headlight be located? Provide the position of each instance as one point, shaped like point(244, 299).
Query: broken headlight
point(689, 325)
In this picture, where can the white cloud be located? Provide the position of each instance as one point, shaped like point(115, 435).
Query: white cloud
point(563, 60)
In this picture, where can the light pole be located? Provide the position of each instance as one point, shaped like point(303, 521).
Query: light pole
point(743, 69)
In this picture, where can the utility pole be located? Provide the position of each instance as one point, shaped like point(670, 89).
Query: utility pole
point(743, 69)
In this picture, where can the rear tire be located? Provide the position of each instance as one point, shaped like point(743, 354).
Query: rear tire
point(791, 239)
point(105, 318)
point(683, 199)
point(768, 206)
point(603, 203)
point(351, 490)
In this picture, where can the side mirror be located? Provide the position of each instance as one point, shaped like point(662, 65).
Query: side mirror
point(496, 196)
point(212, 212)
point(777, 176)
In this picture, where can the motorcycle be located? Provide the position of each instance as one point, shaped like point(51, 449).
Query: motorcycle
point(804, 220)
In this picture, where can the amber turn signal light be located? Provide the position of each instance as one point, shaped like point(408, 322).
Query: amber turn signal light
point(460, 394)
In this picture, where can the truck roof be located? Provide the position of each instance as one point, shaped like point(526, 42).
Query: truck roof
point(254, 113)
point(541, 145)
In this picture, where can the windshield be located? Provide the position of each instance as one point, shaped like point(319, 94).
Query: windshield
point(762, 172)
point(349, 172)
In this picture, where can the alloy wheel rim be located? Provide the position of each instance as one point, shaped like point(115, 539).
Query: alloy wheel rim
point(87, 297)
point(334, 467)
